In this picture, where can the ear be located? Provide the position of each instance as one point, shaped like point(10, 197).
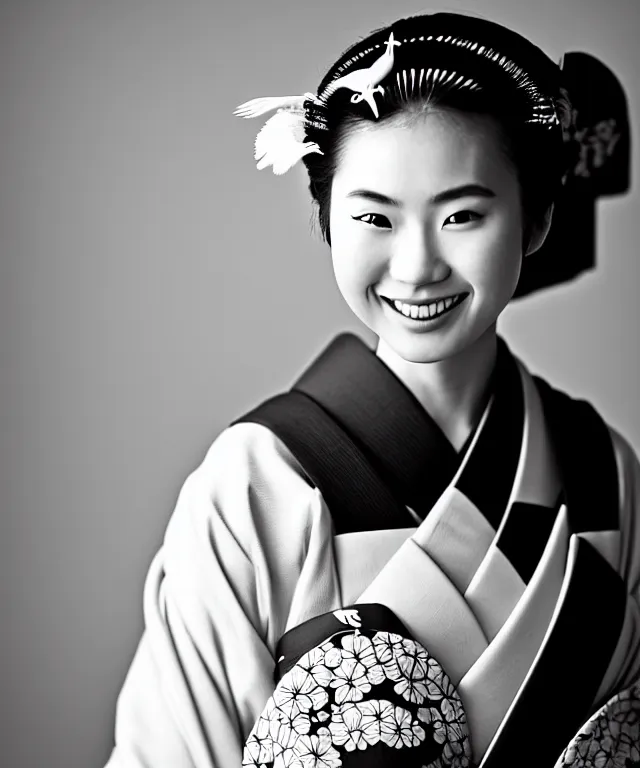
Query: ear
point(539, 231)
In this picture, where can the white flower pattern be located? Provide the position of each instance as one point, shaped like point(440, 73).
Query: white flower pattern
point(360, 690)
point(402, 730)
point(358, 725)
point(360, 648)
point(318, 751)
point(611, 736)
point(300, 693)
point(376, 713)
point(257, 751)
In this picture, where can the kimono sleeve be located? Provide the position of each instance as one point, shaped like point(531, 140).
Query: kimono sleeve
point(216, 600)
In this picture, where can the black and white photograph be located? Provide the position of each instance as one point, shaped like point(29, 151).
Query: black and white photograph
point(320, 384)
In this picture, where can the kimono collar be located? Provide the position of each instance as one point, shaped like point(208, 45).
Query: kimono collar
point(399, 437)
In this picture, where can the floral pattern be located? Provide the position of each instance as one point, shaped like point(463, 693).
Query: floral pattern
point(610, 738)
point(366, 693)
point(594, 144)
point(361, 690)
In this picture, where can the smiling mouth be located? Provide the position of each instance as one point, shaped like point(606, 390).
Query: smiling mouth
point(429, 310)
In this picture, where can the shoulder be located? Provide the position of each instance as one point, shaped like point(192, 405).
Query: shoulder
point(573, 410)
point(626, 456)
point(628, 476)
point(248, 465)
point(249, 487)
point(629, 490)
point(578, 420)
point(627, 473)
point(246, 520)
point(628, 480)
point(251, 451)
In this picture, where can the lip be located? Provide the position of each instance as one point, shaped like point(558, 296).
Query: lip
point(418, 302)
point(426, 324)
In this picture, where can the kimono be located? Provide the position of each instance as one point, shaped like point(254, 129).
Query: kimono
point(523, 604)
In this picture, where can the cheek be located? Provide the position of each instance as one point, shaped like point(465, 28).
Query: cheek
point(351, 273)
point(352, 257)
point(496, 273)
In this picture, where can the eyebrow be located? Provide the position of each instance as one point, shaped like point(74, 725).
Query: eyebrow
point(466, 190)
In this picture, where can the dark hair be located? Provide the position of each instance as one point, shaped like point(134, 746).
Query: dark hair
point(537, 153)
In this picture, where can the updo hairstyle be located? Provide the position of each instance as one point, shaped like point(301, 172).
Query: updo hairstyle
point(435, 68)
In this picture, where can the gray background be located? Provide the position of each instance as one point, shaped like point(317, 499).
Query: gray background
point(155, 285)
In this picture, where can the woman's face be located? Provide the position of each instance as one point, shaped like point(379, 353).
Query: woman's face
point(426, 220)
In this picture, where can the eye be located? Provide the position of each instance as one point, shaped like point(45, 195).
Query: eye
point(463, 217)
point(374, 220)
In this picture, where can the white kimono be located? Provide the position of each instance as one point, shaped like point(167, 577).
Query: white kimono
point(250, 553)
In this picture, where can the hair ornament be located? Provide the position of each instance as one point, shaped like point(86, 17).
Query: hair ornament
point(280, 142)
point(284, 139)
point(257, 107)
point(365, 82)
point(597, 148)
point(424, 81)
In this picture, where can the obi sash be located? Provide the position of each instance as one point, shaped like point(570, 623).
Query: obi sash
point(491, 558)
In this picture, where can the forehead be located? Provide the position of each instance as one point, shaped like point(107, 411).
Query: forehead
point(420, 153)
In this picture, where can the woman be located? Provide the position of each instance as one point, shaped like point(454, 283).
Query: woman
point(434, 635)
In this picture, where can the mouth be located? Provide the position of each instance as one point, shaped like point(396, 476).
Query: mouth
point(427, 311)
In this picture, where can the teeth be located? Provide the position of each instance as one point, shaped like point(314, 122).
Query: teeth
point(419, 311)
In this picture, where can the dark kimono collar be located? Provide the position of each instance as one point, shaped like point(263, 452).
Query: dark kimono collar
point(403, 443)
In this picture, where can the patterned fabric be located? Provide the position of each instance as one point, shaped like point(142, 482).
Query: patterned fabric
point(611, 736)
point(363, 693)
point(356, 699)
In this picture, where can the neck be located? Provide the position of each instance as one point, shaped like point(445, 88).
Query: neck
point(453, 391)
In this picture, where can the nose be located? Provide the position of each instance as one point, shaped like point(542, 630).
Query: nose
point(416, 258)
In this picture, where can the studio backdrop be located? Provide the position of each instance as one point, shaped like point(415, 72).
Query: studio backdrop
point(155, 285)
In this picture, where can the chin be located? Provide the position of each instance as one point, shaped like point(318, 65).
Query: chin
point(425, 349)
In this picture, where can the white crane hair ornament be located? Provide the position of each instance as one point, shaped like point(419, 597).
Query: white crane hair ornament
point(365, 81)
point(280, 142)
point(285, 137)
